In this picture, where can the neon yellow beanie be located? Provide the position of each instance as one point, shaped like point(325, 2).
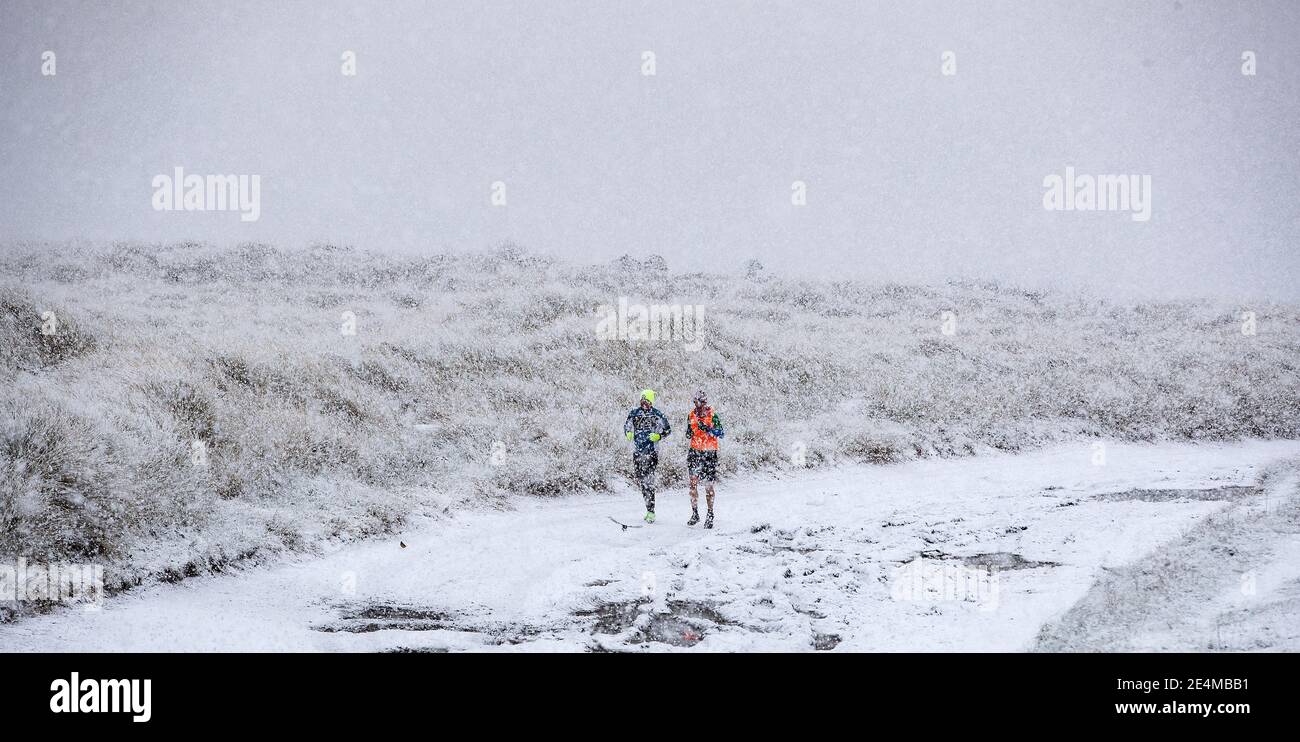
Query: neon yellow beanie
point(648, 395)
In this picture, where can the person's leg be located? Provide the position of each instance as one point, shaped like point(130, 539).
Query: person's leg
point(642, 464)
point(710, 475)
point(648, 485)
point(695, 498)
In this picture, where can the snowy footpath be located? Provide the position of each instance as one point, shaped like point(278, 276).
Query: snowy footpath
point(967, 554)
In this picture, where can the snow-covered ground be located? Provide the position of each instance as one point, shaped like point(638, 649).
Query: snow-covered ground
point(818, 561)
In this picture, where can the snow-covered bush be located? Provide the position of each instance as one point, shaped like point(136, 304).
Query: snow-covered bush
point(195, 406)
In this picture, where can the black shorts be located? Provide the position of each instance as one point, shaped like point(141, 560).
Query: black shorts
point(645, 463)
point(702, 464)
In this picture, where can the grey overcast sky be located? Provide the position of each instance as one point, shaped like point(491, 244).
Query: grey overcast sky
point(911, 174)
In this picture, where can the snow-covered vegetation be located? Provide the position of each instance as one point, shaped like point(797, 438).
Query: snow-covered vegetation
point(1228, 583)
point(173, 409)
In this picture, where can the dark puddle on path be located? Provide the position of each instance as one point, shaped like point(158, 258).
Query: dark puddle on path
point(1003, 560)
point(824, 642)
point(685, 623)
point(1174, 495)
point(993, 561)
point(383, 617)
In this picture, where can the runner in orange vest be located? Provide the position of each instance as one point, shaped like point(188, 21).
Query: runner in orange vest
point(705, 428)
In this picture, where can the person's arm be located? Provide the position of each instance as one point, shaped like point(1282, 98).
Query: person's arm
point(627, 425)
point(663, 428)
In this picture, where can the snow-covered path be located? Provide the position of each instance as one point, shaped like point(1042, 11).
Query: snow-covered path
point(796, 563)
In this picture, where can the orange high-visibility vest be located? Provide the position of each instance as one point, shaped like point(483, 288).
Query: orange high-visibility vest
point(701, 441)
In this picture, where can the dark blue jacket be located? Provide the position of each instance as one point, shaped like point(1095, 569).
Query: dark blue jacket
point(641, 423)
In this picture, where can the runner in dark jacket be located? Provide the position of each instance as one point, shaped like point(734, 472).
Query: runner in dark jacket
point(645, 426)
